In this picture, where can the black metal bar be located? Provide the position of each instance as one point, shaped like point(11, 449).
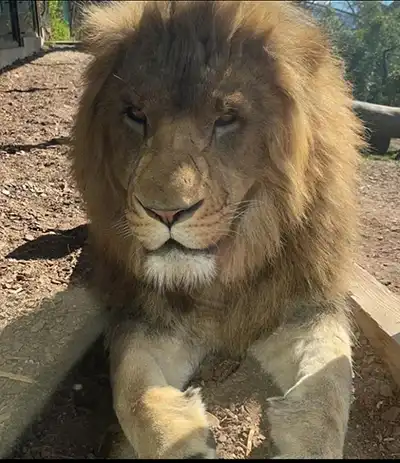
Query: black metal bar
point(35, 14)
point(16, 31)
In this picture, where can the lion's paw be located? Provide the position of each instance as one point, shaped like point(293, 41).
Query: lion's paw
point(174, 425)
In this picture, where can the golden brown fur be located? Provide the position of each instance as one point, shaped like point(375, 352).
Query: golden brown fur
point(268, 248)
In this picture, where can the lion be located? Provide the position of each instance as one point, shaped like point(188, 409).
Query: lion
point(216, 152)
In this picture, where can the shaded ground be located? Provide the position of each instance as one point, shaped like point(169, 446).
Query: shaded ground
point(43, 251)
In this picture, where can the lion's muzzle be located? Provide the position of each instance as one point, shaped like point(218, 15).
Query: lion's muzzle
point(170, 217)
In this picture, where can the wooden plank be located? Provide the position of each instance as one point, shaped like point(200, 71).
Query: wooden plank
point(37, 350)
point(377, 312)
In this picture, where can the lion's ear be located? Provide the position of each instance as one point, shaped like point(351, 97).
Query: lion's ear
point(105, 28)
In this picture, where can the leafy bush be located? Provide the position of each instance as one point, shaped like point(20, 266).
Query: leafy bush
point(367, 37)
point(59, 28)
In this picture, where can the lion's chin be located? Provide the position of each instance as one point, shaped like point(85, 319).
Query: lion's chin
point(178, 268)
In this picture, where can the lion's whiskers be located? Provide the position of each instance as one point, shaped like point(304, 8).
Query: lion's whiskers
point(122, 227)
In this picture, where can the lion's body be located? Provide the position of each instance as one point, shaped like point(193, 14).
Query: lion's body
point(267, 230)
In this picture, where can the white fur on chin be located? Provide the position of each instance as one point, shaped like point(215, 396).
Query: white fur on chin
point(179, 270)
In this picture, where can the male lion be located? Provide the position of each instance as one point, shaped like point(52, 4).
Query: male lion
point(216, 150)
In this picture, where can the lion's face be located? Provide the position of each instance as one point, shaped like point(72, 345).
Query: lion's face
point(188, 152)
point(200, 134)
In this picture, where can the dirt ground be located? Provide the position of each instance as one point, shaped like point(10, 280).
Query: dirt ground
point(43, 251)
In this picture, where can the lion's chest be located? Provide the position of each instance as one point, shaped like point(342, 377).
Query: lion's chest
point(225, 324)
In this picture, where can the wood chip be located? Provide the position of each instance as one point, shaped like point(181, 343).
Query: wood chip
point(249, 445)
point(213, 421)
point(16, 377)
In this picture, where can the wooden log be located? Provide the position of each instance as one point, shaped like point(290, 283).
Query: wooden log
point(383, 120)
point(377, 312)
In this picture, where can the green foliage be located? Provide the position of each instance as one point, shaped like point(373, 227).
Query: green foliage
point(367, 37)
point(59, 28)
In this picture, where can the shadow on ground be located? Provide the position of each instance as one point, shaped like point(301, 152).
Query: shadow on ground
point(12, 148)
point(74, 420)
point(52, 245)
point(30, 59)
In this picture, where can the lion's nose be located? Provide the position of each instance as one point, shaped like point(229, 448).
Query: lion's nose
point(170, 217)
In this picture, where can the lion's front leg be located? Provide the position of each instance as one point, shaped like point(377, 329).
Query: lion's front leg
point(158, 419)
point(312, 366)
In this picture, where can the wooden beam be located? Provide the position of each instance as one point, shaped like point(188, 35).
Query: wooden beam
point(377, 312)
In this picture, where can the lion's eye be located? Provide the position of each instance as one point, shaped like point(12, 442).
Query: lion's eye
point(226, 119)
point(226, 123)
point(136, 115)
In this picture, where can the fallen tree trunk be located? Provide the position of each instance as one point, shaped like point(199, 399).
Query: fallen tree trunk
point(382, 124)
point(382, 119)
